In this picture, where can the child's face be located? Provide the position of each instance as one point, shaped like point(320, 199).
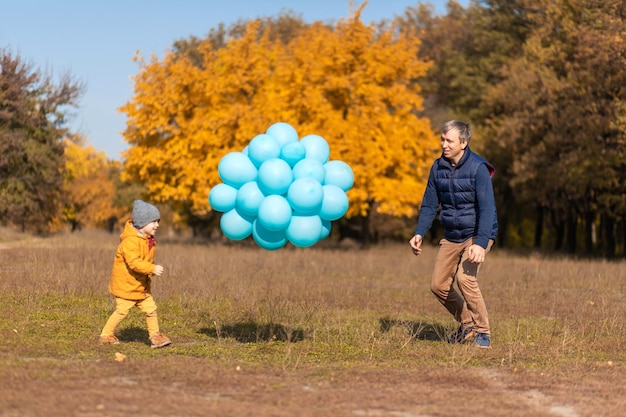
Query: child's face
point(150, 228)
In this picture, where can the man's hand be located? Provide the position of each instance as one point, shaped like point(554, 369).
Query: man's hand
point(416, 244)
point(476, 254)
point(158, 270)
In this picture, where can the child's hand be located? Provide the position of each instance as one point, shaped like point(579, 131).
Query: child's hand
point(158, 270)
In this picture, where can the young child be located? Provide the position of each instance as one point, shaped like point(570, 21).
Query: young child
point(132, 273)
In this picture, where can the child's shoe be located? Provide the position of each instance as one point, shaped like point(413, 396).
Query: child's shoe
point(159, 340)
point(109, 340)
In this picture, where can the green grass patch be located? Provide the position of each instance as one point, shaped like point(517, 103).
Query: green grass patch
point(306, 308)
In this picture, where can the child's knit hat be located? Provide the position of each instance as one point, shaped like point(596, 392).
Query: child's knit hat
point(144, 213)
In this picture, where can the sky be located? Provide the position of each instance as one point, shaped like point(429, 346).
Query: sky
point(94, 41)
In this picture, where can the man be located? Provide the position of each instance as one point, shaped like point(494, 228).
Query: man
point(459, 184)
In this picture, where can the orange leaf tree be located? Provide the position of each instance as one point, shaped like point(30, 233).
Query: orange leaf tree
point(353, 84)
point(184, 118)
point(89, 185)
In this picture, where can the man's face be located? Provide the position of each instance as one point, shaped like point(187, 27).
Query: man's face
point(452, 147)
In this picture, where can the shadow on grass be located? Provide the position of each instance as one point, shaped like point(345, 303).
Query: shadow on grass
point(251, 332)
point(134, 334)
point(416, 329)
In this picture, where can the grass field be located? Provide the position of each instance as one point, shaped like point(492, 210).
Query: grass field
point(323, 331)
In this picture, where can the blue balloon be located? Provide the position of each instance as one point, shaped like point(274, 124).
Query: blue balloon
point(249, 198)
point(304, 231)
point(222, 197)
point(305, 196)
point(280, 189)
point(316, 147)
point(339, 173)
point(235, 226)
point(274, 213)
point(326, 228)
point(292, 153)
point(275, 176)
point(236, 169)
point(268, 239)
point(261, 148)
point(283, 132)
point(309, 167)
point(334, 204)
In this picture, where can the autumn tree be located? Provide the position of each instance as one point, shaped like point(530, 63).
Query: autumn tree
point(542, 83)
point(184, 118)
point(560, 115)
point(351, 83)
point(33, 115)
point(469, 47)
point(283, 27)
point(89, 186)
point(210, 86)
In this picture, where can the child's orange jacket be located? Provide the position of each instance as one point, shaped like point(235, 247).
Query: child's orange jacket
point(133, 265)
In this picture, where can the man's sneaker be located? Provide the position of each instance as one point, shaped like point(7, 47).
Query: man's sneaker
point(159, 340)
point(482, 340)
point(109, 340)
point(461, 335)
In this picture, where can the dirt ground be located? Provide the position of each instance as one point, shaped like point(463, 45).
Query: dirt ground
point(163, 383)
point(197, 387)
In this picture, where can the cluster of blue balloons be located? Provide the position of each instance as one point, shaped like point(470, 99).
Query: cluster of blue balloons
point(281, 189)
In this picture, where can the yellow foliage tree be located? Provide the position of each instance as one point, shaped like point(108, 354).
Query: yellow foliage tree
point(355, 87)
point(89, 188)
point(352, 84)
point(183, 118)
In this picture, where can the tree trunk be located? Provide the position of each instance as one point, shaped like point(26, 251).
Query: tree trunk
point(624, 237)
point(589, 217)
point(559, 231)
point(571, 232)
point(365, 230)
point(609, 236)
point(539, 228)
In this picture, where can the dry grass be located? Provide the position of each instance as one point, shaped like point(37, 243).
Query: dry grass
point(311, 313)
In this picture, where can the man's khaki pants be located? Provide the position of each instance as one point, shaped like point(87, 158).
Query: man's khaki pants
point(467, 304)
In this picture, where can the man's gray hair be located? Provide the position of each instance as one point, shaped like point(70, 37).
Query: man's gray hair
point(464, 129)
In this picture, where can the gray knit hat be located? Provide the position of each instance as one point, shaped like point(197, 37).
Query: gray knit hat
point(144, 213)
